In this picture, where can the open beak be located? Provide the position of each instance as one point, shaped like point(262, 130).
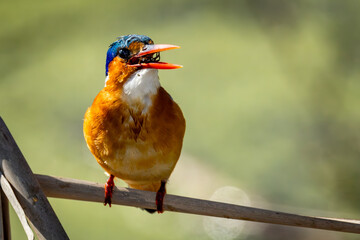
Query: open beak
point(148, 51)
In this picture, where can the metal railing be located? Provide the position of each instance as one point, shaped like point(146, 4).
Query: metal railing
point(28, 192)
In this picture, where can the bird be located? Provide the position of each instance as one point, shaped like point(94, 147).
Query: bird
point(134, 128)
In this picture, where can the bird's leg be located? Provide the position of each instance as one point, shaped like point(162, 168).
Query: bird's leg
point(160, 194)
point(109, 188)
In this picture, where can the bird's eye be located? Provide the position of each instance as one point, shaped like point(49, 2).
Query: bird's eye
point(124, 53)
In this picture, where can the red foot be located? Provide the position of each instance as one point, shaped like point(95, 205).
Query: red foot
point(160, 194)
point(109, 188)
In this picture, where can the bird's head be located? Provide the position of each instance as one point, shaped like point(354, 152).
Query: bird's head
point(134, 52)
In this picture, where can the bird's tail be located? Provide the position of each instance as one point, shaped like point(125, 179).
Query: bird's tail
point(147, 186)
point(149, 210)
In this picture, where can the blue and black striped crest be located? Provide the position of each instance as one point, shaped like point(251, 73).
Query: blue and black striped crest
point(123, 42)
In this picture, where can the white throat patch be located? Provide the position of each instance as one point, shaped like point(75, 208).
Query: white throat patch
point(140, 86)
point(106, 79)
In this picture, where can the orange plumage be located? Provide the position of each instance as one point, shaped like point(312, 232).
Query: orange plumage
point(134, 128)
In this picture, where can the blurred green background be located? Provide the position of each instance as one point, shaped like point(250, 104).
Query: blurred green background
point(270, 91)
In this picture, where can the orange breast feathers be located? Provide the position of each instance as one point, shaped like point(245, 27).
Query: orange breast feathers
point(140, 146)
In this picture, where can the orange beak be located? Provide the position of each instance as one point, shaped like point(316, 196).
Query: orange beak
point(148, 50)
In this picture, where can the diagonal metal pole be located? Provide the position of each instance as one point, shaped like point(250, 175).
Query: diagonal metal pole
point(32, 199)
point(5, 217)
point(2, 220)
point(5, 186)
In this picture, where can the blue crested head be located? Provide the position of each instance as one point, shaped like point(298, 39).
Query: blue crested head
point(124, 42)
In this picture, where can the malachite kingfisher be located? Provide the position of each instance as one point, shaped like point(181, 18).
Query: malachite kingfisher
point(134, 128)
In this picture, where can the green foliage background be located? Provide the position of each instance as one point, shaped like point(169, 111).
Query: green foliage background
point(270, 91)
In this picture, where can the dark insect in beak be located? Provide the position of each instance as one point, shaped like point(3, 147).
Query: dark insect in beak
point(149, 57)
point(154, 57)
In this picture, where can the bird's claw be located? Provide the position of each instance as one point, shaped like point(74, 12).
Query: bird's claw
point(109, 188)
point(160, 194)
